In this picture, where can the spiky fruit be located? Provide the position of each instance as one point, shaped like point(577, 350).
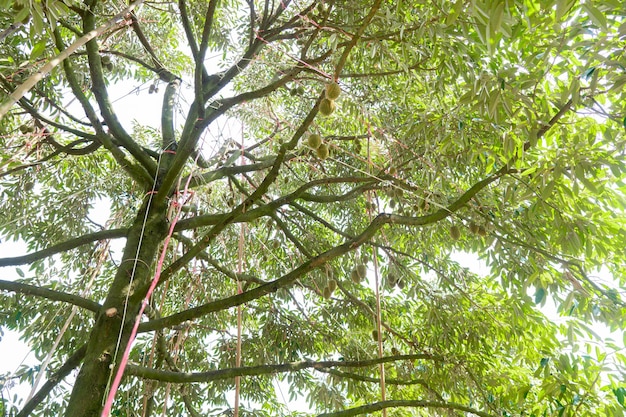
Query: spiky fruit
point(455, 232)
point(327, 107)
point(482, 231)
point(322, 151)
point(28, 186)
point(375, 335)
point(26, 128)
point(327, 293)
point(393, 171)
point(354, 276)
point(400, 283)
point(391, 280)
point(330, 274)
point(332, 91)
point(332, 285)
point(473, 228)
point(314, 140)
point(106, 60)
point(361, 270)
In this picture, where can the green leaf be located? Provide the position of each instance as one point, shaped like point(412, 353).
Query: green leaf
point(596, 16)
point(540, 295)
point(620, 394)
point(38, 49)
point(562, 8)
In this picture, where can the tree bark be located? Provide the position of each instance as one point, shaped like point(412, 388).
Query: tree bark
point(135, 271)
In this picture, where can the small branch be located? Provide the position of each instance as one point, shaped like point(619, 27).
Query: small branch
point(71, 363)
point(366, 21)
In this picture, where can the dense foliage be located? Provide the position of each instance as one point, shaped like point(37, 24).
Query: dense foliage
point(340, 168)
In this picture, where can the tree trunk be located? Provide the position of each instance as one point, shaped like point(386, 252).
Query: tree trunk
point(146, 233)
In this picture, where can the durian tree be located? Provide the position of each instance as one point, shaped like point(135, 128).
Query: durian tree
point(298, 233)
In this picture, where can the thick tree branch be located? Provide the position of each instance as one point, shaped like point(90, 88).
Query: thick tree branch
point(183, 377)
point(191, 38)
point(99, 90)
point(64, 246)
point(373, 407)
point(136, 172)
point(28, 289)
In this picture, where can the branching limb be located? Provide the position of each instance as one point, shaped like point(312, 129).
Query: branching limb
point(289, 278)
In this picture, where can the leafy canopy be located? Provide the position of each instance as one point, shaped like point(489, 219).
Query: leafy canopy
point(320, 243)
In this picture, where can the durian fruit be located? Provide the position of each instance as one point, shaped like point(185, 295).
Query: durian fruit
point(393, 171)
point(314, 140)
point(327, 107)
point(322, 151)
point(326, 293)
point(330, 274)
point(361, 270)
point(333, 91)
point(26, 128)
point(482, 231)
point(400, 283)
point(354, 276)
point(392, 280)
point(394, 351)
point(375, 335)
point(455, 232)
point(332, 285)
point(473, 227)
point(28, 186)
point(106, 60)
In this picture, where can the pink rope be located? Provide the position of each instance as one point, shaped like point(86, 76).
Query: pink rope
point(157, 274)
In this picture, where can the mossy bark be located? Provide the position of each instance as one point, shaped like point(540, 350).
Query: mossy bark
point(135, 271)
